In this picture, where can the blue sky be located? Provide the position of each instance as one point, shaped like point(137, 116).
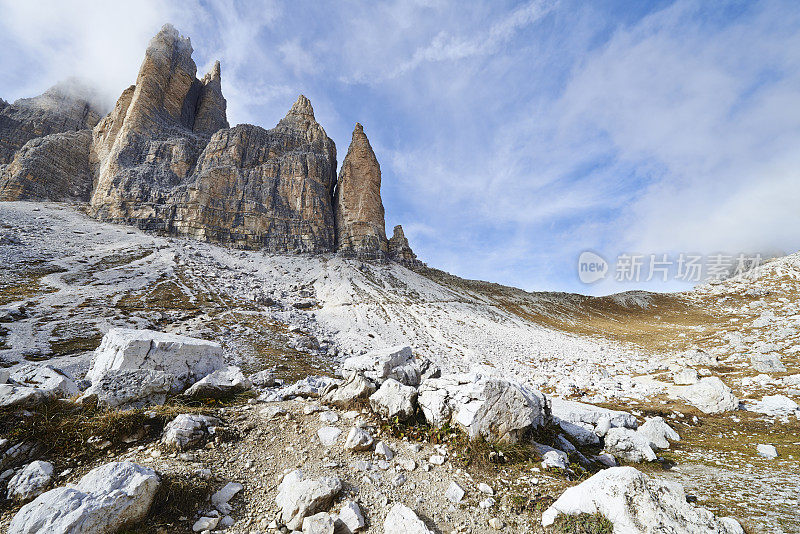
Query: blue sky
point(512, 136)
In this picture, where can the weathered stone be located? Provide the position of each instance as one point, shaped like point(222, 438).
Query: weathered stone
point(226, 381)
point(394, 400)
point(187, 359)
point(402, 520)
point(321, 523)
point(580, 413)
point(351, 518)
point(46, 378)
point(30, 481)
point(299, 498)
point(104, 501)
point(66, 107)
point(356, 387)
point(628, 445)
point(658, 433)
point(188, 430)
point(221, 498)
point(454, 493)
point(637, 504)
point(130, 388)
point(710, 395)
point(358, 440)
point(12, 396)
point(54, 167)
point(328, 435)
point(767, 451)
point(358, 210)
point(396, 362)
point(493, 408)
point(685, 377)
point(400, 251)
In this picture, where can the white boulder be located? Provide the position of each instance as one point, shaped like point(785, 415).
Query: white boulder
point(402, 520)
point(555, 458)
point(637, 504)
point(226, 381)
point(397, 362)
point(767, 363)
point(299, 498)
point(629, 445)
point(104, 501)
point(221, 498)
point(130, 388)
point(393, 399)
point(351, 518)
point(30, 481)
point(354, 388)
point(709, 395)
point(188, 430)
point(12, 396)
point(454, 493)
point(328, 435)
point(775, 405)
point(685, 377)
point(658, 433)
point(321, 523)
point(186, 358)
point(767, 451)
point(494, 408)
point(358, 440)
point(583, 414)
point(46, 378)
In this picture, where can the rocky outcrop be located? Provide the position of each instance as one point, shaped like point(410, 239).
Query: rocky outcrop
point(400, 251)
point(359, 212)
point(44, 144)
point(66, 107)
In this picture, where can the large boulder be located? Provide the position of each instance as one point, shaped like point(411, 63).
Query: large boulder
point(658, 433)
point(396, 362)
point(187, 359)
point(12, 396)
point(105, 500)
point(775, 405)
point(709, 395)
point(124, 389)
point(589, 416)
point(300, 497)
point(403, 520)
point(355, 388)
point(637, 504)
point(394, 400)
point(629, 445)
point(30, 481)
point(221, 383)
point(493, 408)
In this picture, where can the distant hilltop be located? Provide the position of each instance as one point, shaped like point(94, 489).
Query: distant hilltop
point(165, 159)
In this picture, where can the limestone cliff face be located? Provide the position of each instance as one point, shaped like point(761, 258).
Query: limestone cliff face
point(54, 167)
point(358, 209)
point(68, 106)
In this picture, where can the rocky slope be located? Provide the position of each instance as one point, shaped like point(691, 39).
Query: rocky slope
point(166, 160)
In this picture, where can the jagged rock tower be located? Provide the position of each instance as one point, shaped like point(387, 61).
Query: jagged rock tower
point(165, 159)
point(359, 213)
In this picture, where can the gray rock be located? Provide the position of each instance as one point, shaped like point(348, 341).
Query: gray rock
point(219, 384)
point(351, 518)
point(402, 520)
point(394, 400)
point(658, 433)
point(344, 396)
point(30, 481)
point(493, 408)
point(188, 430)
point(710, 395)
point(131, 388)
point(775, 405)
point(629, 445)
point(46, 378)
point(358, 440)
point(321, 523)
point(12, 396)
point(580, 413)
point(454, 493)
point(328, 435)
point(221, 497)
point(299, 498)
point(767, 363)
point(106, 499)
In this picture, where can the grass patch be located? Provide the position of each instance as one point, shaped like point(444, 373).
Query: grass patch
point(582, 524)
point(178, 496)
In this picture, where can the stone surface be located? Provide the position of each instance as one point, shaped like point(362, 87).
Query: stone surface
point(402, 520)
point(30, 481)
point(69, 106)
point(358, 210)
point(321, 523)
point(354, 388)
point(494, 408)
point(358, 440)
point(637, 504)
point(351, 517)
point(54, 167)
point(580, 413)
point(12, 396)
point(104, 501)
point(394, 400)
point(46, 378)
point(396, 362)
point(685, 377)
point(400, 251)
point(188, 430)
point(221, 497)
point(629, 445)
point(710, 395)
point(221, 383)
point(775, 405)
point(130, 388)
point(658, 433)
point(555, 458)
point(767, 451)
point(187, 359)
point(454, 493)
point(299, 498)
point(328, 435)
point(767, 363)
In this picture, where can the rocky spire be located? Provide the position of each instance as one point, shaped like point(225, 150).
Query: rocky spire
point(399, 249)
point(211, 106)
point(358, 209)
